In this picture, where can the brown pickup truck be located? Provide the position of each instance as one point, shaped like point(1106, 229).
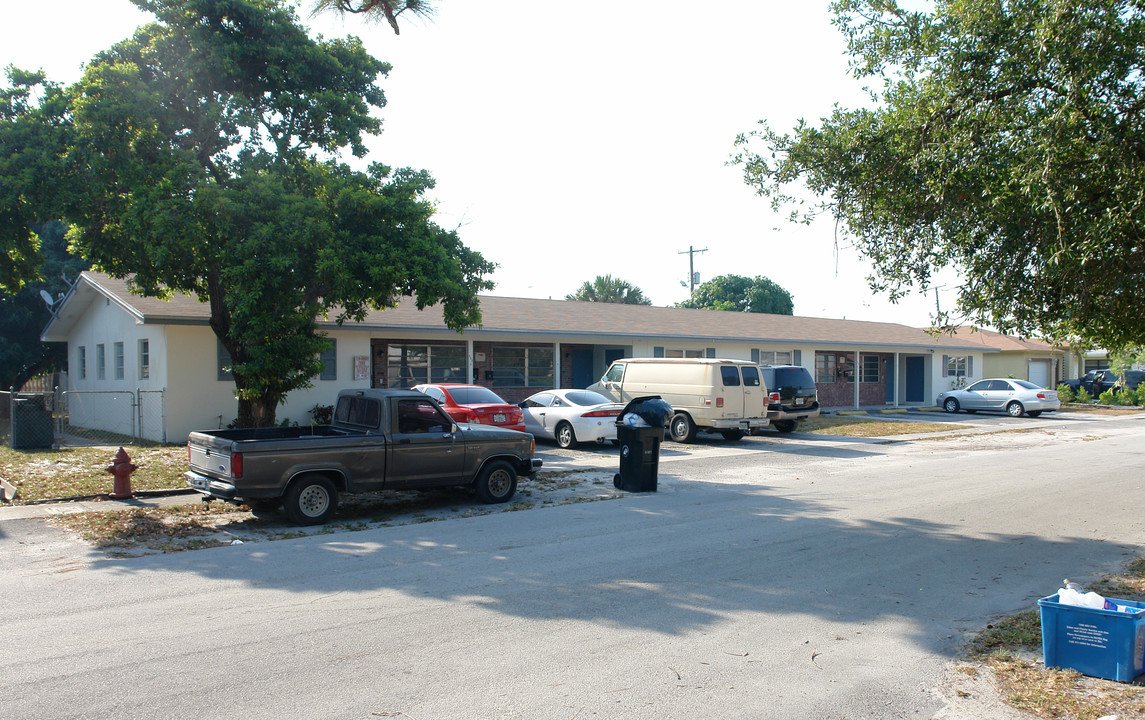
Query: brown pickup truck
point(379, 440)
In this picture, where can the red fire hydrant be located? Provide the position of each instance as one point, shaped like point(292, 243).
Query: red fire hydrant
point(121, 467)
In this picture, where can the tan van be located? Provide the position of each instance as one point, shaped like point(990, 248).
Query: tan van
point(724, 396)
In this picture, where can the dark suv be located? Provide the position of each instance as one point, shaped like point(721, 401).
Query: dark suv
point(793, 395)
point(1096, 382)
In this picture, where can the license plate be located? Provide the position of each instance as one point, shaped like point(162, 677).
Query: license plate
point(499, 418)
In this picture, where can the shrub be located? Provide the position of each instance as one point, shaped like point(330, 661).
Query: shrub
point(1083, 396)
point(1106, 397)
point(322, 414)
point(1065, 393)
point(1128, 396)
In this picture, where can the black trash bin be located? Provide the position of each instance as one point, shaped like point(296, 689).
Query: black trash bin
point(31, 424)
point(640, 446)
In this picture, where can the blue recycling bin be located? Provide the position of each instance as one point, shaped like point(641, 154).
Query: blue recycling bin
point(1108, 644)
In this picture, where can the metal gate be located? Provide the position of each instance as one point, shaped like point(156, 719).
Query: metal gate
point(111, 417)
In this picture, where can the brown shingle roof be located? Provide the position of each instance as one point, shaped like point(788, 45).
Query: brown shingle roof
point(589, 322)
point(1005, 343)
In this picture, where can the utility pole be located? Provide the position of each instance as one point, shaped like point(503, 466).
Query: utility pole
point(691, 253)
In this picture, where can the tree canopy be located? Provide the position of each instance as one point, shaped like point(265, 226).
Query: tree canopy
point(378, 9)
point(24, 314)
point(607, 289)
point(1006, 139)
point(200, 156)
point(743, 294)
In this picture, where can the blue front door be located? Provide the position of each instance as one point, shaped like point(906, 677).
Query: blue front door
point(582, 375)
point(915, 382)
point(890, 380)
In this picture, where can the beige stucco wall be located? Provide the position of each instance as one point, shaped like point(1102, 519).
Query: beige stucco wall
point(198, 400)
point(1017, 365)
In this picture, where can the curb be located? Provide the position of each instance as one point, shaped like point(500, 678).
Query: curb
point(107, 496)
point(884, 411)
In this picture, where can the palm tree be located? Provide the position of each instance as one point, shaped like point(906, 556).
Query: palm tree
point(608, 289)
point(389, 9)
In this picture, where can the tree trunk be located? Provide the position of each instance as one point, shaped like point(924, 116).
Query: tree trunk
point(258, 412)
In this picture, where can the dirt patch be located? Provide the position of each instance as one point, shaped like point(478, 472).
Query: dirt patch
point(196, 525)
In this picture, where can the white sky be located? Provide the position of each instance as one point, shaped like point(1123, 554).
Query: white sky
point(570, 141)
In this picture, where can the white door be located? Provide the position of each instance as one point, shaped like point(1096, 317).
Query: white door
point(1040, 372)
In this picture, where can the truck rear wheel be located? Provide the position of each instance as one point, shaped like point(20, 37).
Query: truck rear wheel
point(497, 482)
point(311, 501)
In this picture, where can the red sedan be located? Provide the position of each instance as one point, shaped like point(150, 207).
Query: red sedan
point(475, 404)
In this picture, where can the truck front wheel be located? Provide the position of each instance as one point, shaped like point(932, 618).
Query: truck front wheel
point(497, 482)
point(311, 501)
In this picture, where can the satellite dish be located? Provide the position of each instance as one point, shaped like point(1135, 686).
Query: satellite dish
point(47, 298)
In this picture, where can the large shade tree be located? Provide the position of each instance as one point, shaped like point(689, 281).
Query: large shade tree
point(200, 156)
point(607, 289)
point(743, 294)
point(1006, 139)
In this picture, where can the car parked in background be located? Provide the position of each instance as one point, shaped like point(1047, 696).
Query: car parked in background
point(1095, 382)
point(1133, 378)
point(571, 416)
point(793, 397)
point(1107, 379)
point(474, 404)
point(1015, 397)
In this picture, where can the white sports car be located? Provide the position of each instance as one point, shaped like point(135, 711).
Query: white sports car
point(571, 416)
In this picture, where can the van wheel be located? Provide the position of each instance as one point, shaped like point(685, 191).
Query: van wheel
point(682, 429)
point(732, 435)
point(311, 501)
point(497, 482)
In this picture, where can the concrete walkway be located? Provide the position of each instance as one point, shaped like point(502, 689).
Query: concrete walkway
point(99, 503)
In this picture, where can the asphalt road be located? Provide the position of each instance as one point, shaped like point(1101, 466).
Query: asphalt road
point(775, 578)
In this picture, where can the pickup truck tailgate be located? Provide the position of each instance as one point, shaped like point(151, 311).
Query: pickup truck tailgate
point(213, 461)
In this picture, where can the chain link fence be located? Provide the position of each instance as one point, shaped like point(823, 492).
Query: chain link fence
point(75, 418)
point(30, 419)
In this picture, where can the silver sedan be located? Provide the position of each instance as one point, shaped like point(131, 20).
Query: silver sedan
point(1014, 397)
point(571, 416)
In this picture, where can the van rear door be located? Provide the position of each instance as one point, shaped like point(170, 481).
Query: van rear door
point(754, 393)
point(732, 393)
